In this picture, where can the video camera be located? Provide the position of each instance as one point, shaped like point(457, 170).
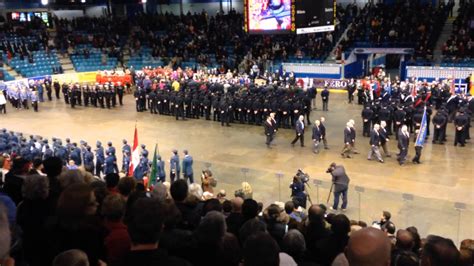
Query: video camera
point(331, 168)
point(304, 177)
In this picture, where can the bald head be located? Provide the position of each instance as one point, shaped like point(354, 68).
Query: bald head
point(405, 240)
point(368, 247)
point(237, 204)
point(315, 212)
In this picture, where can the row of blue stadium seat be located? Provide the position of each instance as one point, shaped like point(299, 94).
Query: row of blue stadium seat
point(6, 75)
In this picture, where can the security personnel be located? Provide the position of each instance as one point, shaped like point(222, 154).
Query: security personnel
point(89, 160)
point(87, 95)
point(175, 168)
point(76, 154)
point(144, 152)
point(57, 88)
point(399, 119)
point(99, 158)
point(179, 106)
point(325, 98)
point(126, 162)
point(160, 169)
point(109, 166)
point(152, 102)
point(461, 123)
point(136, 94)
point(367, 116)
point(65, 91)
point(100, 96)
point(269, 131)
point(120, 91)
point(188, 167)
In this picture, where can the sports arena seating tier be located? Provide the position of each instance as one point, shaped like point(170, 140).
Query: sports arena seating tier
point(4, 75)
point(408, 26)
point(85, 58)
point(459, 49)
point(43, 63)
point(27, 55)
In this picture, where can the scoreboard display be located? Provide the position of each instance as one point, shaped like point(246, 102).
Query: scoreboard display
point(315, 16)
point(269, 16)
point(29, 16)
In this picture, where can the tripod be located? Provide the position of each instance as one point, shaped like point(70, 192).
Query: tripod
point(307, 193)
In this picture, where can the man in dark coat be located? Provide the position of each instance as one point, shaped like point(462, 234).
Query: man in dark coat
point(340, 182)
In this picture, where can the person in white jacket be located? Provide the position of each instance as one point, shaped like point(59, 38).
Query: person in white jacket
point(3, 103)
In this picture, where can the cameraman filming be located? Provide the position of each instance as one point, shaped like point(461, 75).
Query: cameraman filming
point(297, 191)
point(340, 183)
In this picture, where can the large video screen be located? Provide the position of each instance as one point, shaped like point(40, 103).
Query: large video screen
point(28, 16)
point(315, 16)
point(269, 16)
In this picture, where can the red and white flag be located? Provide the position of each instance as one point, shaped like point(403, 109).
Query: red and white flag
point(135, 156)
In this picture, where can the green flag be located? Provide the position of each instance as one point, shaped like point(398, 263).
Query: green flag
point(153, 169)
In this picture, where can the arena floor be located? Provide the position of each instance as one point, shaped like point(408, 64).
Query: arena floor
point(239, 153)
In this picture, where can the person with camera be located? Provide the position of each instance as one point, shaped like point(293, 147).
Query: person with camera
point(208, 182)
point(297, 190)
point(340, 185)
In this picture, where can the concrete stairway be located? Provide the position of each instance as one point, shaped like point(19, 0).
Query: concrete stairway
point(446, 32)
point(331, 59)
point(66, 64)
point(12, 72)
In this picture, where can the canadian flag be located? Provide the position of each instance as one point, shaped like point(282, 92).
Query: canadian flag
point(135, 156)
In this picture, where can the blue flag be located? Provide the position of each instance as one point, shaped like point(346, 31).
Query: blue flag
point(420, 139)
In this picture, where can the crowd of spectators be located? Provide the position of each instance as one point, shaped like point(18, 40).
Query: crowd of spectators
point(461, 43)
point(51, 215)
point(408, 24)
point(217, 40)
point(22, 39)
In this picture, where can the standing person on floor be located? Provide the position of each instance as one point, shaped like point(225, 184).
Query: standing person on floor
point(316, 136)
point(325, 98)
point(299, 130)
point(340, 182)
point(403, 142)
point(375, 144)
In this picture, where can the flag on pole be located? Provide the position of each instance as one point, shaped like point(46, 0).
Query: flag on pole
point(135, 156)
point(420, 138)
point(153, 169)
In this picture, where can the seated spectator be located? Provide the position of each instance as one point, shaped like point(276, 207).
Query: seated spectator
point(32, 216)
point(329, 247)
point(295, 213)
point(70, 177)
point(190, 210)
point(367, 247)
point(112, 181)
point(235, 219)
point(126, 186)
point(211, 240)
point(439, 251)
point(145, 227)
point(245, 192)
point(261, 249)
point(276, 220)
point(117, 242)
point(14, 179)
point(77, 225)
point(71, 257)
point(5, 239)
